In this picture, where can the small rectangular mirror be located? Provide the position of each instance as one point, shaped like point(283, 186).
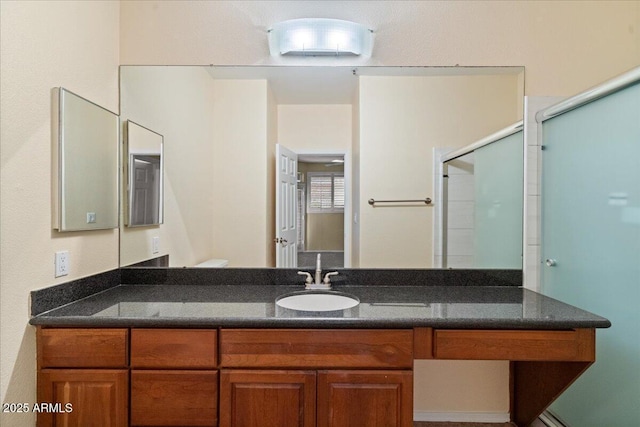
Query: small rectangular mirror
point(144, 176)
point(85, 164)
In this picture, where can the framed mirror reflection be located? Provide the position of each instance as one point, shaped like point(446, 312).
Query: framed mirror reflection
point(143, 176)
point(221, 126)
point(85, 142)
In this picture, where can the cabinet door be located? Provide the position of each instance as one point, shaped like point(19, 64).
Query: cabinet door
point(170, 398)
point(255, 398)
point(83, 397)
point(365, 398)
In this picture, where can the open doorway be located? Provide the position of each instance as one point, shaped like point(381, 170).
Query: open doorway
point(321, 199)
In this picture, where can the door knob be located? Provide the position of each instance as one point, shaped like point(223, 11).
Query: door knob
point(550, 262)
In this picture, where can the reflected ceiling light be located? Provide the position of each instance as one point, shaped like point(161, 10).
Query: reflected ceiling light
point(319, 36)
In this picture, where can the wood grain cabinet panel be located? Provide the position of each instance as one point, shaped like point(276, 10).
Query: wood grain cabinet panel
point(365, 398)
point(316, 348)
point(570, 345)
point(259, 398)
point(173, 348)
point(97, 397)
point(174, 398)
point(82, 348)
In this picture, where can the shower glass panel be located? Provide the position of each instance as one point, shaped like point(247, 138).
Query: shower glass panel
point(483, 199)
point(499, 185)
point(591, 247)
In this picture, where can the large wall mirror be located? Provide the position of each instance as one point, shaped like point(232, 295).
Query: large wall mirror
point(355, 133)
point(85, 140)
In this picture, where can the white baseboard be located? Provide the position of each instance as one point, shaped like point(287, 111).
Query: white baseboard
point(462, 417)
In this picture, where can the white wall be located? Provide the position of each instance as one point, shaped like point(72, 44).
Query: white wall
point(176, 102)
point(43, 45)
point(533, 167)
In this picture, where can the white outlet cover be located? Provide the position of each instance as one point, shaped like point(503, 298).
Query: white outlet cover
point(62, 263)
point(155, 245)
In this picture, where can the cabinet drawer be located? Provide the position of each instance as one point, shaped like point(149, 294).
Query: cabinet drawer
point(82, 348)
point(316, 348)
point(171, 398)
point(571, 345)
point(173, 348)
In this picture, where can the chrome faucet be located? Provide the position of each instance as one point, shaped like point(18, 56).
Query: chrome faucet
point(318, 270)
point(319, 282)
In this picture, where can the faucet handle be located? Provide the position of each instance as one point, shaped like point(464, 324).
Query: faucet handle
point(309, 279)
point(326, 280)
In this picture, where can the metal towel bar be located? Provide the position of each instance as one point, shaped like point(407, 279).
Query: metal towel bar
point(426, 201)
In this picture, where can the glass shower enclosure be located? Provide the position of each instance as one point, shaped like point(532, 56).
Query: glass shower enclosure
point(482, 195)
point(591, 241)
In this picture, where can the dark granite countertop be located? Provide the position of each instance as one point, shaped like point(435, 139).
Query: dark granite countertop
point(253, 306)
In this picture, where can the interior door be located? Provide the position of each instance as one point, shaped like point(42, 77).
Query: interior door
point(143, 192)
point(286, 224)
point(591, 247)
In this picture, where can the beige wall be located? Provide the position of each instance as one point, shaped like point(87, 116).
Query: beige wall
point(402, 119)
point(468, 389)
point(272, 140)
point(315, 127)
point(566, 46)
point(240, 153)
point(354, 215)
point(176, 102)
point(306, 128)
point(43, 45)
point(324, 231)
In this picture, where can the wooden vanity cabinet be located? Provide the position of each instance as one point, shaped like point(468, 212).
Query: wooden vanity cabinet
point(117, 377)
point(543, 363)
point(83, 373)
point(368, 398)
point(268, 398)
point(83, 397)
point(174, 377)
point(324, 378)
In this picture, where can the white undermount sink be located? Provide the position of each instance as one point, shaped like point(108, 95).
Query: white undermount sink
point(317, 301)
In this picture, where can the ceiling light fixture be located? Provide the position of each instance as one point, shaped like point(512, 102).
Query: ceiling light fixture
point(320, 37)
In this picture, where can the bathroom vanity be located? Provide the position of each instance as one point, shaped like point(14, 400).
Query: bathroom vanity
point(213, 354)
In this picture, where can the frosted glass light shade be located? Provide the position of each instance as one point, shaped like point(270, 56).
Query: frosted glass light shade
point(319, 36)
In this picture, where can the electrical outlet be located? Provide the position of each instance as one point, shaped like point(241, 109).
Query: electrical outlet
point(62, 263)
point(155, 245)
point(91, 217)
